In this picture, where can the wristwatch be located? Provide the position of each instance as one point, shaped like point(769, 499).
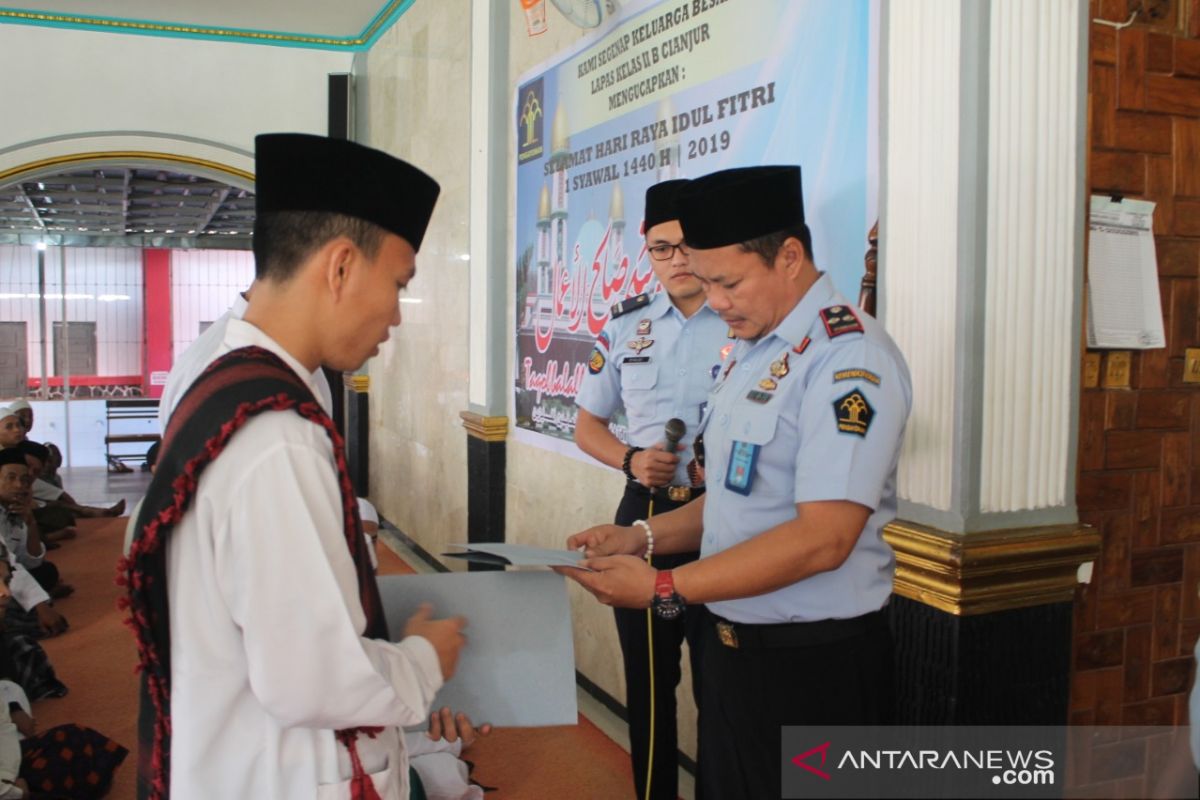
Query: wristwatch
point(667, 603)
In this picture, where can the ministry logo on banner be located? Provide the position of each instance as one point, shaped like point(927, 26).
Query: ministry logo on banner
point(531, 117)
point(987, 762)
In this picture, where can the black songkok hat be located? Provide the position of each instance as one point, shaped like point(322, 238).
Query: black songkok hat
point(301, 172)
point(736, 205)
point(38, 451)
point(12, 455)
point(662, 202)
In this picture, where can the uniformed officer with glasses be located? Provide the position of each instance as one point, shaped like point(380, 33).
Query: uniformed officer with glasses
point(658, 355)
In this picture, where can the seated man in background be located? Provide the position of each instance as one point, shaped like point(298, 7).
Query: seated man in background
point(12, 431)
point(435, 756)
point(53, 465)
point(56, 510)
point(19, 530)
point(71, 762)
point(32, 601)
point(24, 413)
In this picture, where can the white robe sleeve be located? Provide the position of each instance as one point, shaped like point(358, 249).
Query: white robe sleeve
point(287, 577)
point(24, 587)
point(26, 556)
point(10, 756)
point(45, 491)
point(13, 693)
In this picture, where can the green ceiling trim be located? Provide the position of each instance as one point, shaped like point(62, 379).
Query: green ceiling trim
point(387, 15)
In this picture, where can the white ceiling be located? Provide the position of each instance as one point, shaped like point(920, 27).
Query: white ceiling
point(340, 19)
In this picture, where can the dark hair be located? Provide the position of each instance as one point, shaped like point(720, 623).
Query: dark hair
point(38, 451)
point(283, 239)
point(767, 247)
point(152, 455)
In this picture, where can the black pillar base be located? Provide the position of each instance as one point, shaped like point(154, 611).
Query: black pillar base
point(1003, 668)
point(485, 494)
point(358, 443)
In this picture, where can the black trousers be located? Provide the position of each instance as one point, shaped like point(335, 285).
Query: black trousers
point(751, 692)
point(668, 646)
point(51, 518)
point(46, 574)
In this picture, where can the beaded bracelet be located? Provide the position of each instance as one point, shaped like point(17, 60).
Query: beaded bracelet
point(649, 536)
point(627, 464)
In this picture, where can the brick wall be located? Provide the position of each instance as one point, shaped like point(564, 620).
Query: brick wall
point(1139, 454)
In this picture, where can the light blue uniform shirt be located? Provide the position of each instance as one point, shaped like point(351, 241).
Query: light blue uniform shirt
point(799, 416)
point(661, 366)
point(1194, 711)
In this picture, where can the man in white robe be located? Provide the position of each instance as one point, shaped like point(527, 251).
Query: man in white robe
point(267, 653)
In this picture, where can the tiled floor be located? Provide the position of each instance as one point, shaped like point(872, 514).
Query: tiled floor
point(97, 486)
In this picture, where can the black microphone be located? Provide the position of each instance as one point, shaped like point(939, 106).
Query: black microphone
point(675, 430)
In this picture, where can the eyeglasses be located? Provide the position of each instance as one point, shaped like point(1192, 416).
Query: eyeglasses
point(665, 252)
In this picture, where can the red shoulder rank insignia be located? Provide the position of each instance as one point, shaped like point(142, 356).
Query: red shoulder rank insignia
point(800, 348)
point(839, 320)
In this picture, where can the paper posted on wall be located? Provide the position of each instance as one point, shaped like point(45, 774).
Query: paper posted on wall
point(1124, 308)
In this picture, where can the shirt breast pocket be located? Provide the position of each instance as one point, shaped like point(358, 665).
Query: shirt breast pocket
point(639, 377)
point(748, 471)
point(754, 425)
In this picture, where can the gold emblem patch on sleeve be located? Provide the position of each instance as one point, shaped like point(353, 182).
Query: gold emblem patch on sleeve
point(596, 362)
point(853, 413)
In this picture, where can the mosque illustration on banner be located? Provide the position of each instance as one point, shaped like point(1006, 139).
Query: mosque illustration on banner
point(553, 348)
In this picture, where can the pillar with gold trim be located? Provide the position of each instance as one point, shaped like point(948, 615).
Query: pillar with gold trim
point(980, 277)
point(486, 460)
point(357, 415)
point(489, 387)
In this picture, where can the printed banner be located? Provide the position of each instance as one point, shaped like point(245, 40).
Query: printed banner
point(676, 89)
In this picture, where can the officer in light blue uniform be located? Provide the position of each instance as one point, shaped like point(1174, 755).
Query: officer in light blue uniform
point(658, 356)
point(802, 435)
point(660, 365)
point(813, 411)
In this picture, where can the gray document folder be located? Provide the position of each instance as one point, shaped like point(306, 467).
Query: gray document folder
point(518, 667)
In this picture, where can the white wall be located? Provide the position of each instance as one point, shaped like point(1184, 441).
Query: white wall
point(204, 284)
point(106, 91)
point(418, 108)
point(103, 285)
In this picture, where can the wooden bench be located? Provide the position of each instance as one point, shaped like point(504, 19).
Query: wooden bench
point(140, 408)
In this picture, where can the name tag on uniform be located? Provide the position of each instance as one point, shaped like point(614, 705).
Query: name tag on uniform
point(635, 360)
point(740, 476)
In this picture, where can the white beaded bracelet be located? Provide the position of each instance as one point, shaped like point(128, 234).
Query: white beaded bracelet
point(649, 536)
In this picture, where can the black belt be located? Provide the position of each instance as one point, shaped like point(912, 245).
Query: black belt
point(741, 635)
point(676, 494)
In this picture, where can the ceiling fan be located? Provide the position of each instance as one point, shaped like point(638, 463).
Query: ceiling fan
point(586, 13)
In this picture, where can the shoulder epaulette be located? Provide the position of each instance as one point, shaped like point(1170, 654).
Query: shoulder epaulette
point(839, 320)
point(630, 304)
